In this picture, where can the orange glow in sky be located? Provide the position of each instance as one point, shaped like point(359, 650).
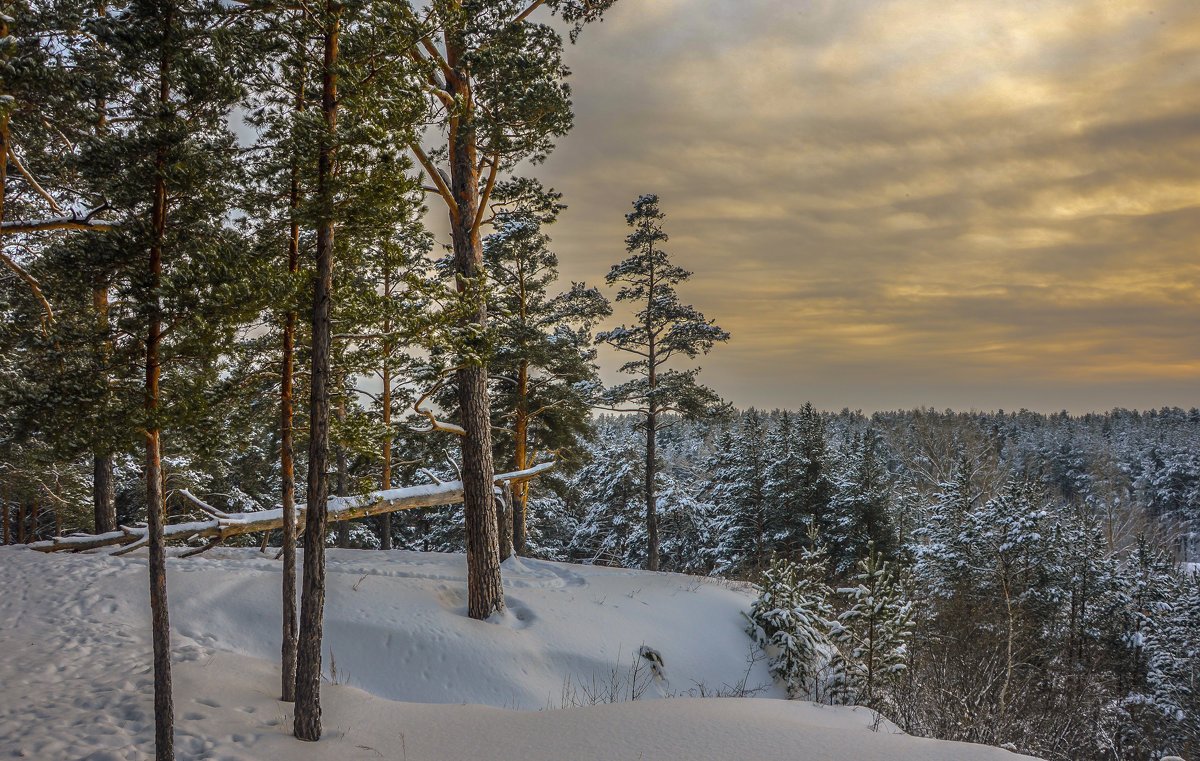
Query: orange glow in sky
point(908, 202)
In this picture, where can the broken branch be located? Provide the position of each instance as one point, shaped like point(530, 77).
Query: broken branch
point(434, 423)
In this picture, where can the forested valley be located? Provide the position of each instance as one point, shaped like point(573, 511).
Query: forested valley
point(296, 260)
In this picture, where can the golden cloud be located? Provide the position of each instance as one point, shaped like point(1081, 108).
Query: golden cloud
point(907, 202)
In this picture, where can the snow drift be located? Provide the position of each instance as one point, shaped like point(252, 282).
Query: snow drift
point(410, 676)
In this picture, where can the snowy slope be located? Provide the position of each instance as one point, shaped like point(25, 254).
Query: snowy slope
point(75, 680)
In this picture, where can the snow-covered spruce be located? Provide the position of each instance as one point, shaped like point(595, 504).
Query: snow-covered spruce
point(791, 621)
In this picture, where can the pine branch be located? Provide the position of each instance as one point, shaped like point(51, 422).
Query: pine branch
point(525, 13)
point(427, 44)
point(48, 125)
point(433, 174)
point(487, 191)
point(434, 423)
point(33, 183)
point(31, 281)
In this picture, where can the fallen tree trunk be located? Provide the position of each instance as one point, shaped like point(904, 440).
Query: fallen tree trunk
point(221, 525)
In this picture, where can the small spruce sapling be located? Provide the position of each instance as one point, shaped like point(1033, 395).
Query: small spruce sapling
point(789, 621)
point(872, 634)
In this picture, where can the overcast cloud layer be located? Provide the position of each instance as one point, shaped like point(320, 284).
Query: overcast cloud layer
point(974, 204)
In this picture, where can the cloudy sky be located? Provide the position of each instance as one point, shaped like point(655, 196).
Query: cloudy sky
point(971, 204)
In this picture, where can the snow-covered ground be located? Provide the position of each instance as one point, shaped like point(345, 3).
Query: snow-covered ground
point(411, 677)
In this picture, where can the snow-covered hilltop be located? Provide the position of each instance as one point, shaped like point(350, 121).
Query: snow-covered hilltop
point(411, 676)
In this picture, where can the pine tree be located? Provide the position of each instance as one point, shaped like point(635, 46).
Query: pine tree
point(738, 492)
point(42, 72)
point(1154, 712)
point(799, 486)
point(723, 478)
point(359, 194)
point(665, 329)
point(860, 504)
point(685, 526)
point(280, 108)
point(790, 621)
point(873, 632)
point(610, 484)
point(393, 295)
point(1172, 648)
point(307, 723)
point(496, 86)
point(170, 172)
point(942, 550)
point(1017, 561)
point(62, 403)
point(783, 487)
point(543, 358)
point(56, 78)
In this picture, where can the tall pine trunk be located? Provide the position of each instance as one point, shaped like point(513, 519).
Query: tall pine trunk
point(103, 492)
point(4, 135)
point(651, 497)
point(651, 431)
point(485, 593)
point(385, 479)
point(484, 588)
point(519, 501)
point(164, 710)
point(287, 413)
point(343, 488)
point(103, 484)
point(504, 513)
point(308, 663)
point(288, 471)
point(4, 516)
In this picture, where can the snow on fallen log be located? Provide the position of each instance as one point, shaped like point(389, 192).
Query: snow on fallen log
point(221, 526)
